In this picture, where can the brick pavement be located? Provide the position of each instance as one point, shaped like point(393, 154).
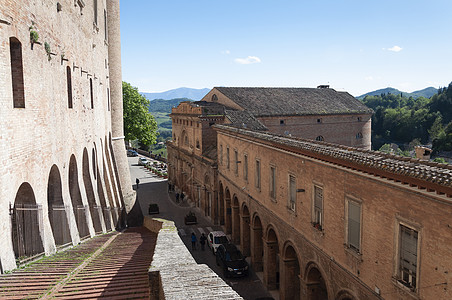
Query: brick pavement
point(113, 266)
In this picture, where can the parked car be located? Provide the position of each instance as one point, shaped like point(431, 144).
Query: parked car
point(153, 208)
point(231, 260)
point(215, 239)
point(132, 153)
point(142, 161)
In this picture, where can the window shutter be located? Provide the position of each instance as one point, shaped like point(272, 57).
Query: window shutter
point(318, 197)
point(408, 251)
point(354, 219)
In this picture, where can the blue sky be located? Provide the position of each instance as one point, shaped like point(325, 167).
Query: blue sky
point(353, 45)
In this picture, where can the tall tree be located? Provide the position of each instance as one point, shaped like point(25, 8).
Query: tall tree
point(139, 124)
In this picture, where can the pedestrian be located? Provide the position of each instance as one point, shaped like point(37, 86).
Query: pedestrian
point(193, 241)
point(177, 197)
point(182, 197)
point(138, 182)
point(202, 241)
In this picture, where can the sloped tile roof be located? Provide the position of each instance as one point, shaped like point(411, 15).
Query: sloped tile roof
point(243, 119)
point(263, 102)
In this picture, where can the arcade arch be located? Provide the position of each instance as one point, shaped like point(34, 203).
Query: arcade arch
point(56, 209)
point(317, 288)
point(228, 218)
point(76, 199)
point(235, 221)
point(271, 260)
point(26, 223)
point(245, 231)
point(93, 207)
point(290, 273)
point(257, 250)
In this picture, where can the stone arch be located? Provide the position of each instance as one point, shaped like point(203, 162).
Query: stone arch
point(103, 202)
point(228, 217)
point(76, 199)
point(56, 209)
point(235, 220)
point(257, 248)
point(290, 279)
point(109, 164)
point(93, 207)
point(316, 286)
point(345, 295)
point(109, 195)
point(245, 241)
point(221, 204)
point(271, 259)
point(26, 221)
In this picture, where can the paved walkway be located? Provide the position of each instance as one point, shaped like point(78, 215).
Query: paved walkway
point(113, 266)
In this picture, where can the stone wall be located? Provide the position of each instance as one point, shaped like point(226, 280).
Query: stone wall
point(175, 274)
point(45, 133)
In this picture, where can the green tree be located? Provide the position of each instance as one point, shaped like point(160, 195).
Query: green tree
point(139, 124)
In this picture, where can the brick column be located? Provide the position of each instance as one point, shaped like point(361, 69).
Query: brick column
point(256, 249)
point(114, 55)
point(235, 225)
point(245, 235)
point(270, 252)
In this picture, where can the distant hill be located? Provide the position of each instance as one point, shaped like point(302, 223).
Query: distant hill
point(194, 94)
point(427, 93)
point(164, 106)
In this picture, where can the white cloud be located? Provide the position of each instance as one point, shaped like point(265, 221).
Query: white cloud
point(248, 60)
point(369, 78)
point(394, 49)
point(226, 52)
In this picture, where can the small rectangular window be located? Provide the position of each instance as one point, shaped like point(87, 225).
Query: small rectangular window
point(245, 167)
point(105, 25)
point(227, 158)
point(292, 192)
point(95, 12)
point(69, 86)
point(17, 73)
point(408, 257)
point(258, 174)
point(236, 160)
point(318, 207)
point(273, 182)
point(91, 92)
point(354, 226)
point(221, 154)
point(282, 122)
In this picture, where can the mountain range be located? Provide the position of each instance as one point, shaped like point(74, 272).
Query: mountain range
point(183, 92)
point(198, 94)
point(427, 93)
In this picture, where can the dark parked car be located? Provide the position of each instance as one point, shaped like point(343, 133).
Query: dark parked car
point(231, 260)
point(132, 153)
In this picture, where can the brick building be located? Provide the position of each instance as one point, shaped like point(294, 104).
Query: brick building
point(319, 220)
point(64, 174)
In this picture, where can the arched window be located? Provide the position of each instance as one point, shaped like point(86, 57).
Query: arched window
point(359, 136)
point(319, 138)
point(197, 144)
point(17, 72)
point(69, 86)
point(214, 98)
point(186, 140)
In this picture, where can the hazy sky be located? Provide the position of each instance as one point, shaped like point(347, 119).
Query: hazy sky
point(352, 45)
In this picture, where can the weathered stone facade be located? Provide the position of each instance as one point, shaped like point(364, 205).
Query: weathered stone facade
point(321, 220)
point(62, 151)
